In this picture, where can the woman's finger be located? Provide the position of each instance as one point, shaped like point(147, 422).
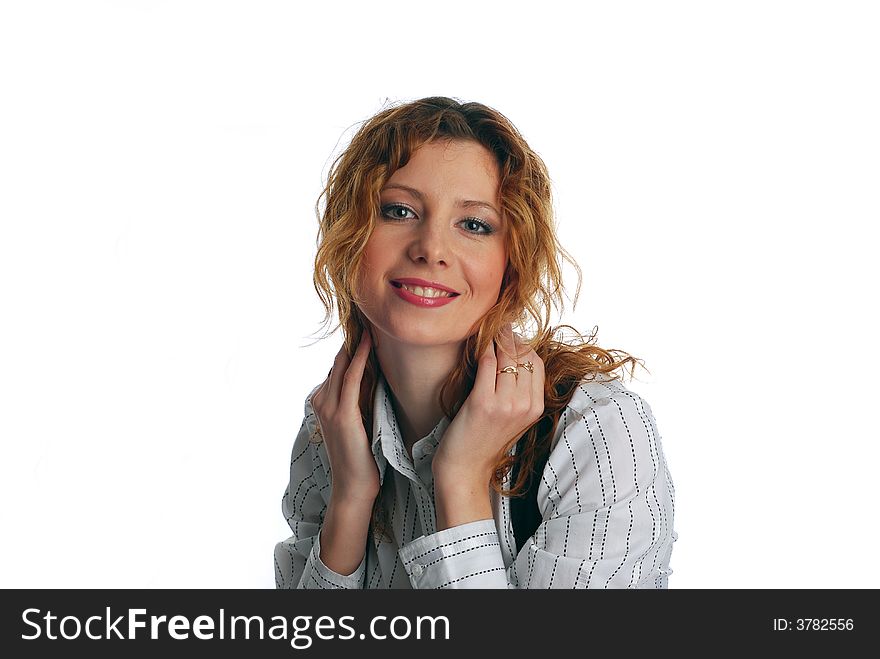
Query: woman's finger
point(537, 380)
point(507, 383)
point(334, 386)
point(525, 354)
point(522, 349)
point(484, 382)
point(351, 386)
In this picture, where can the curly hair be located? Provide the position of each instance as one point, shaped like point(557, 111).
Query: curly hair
point(531, 284)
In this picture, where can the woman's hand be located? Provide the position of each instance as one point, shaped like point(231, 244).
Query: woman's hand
point(500, 408)
point(354, 472)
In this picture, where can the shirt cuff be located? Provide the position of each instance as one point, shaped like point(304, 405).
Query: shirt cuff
point(464, 556)
point(318, 575)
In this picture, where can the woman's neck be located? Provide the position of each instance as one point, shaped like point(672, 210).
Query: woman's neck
point(415, 376)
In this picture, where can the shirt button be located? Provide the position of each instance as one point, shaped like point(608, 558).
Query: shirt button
point(603, 401)
point(417, 570)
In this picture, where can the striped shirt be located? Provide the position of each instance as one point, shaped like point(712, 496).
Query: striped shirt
point(606, 500)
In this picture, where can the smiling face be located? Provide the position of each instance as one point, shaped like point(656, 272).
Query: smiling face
point(439, 222)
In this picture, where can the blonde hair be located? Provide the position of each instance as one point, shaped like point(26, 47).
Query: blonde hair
point(532, 280)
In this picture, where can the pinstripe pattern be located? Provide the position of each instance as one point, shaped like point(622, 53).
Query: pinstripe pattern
point(606, 498)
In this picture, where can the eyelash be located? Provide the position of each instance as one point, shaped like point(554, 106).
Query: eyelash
point(489, 229)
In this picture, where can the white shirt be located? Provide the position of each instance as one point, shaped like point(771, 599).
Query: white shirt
point(606, 499)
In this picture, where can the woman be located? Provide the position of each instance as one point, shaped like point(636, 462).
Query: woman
point(444, 450)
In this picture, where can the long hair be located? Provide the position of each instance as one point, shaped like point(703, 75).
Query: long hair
point(531, 284)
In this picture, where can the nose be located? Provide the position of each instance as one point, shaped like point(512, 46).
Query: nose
point(431, 243)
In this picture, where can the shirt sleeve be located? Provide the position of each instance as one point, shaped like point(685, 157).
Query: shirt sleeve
point(607, 506)
point(304, 504)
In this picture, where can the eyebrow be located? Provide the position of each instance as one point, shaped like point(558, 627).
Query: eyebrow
point(461, 203)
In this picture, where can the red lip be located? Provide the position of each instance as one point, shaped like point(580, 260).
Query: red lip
point(415, 281)
point(424, 302)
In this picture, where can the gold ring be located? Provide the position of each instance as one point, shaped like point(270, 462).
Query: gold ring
point(508, 369)
point(528, 366)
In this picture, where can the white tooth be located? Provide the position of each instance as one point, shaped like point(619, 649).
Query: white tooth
point(425, 292)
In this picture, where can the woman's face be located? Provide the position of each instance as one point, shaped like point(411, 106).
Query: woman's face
point(440, 222)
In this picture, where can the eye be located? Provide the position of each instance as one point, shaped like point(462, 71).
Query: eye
point(487, 229)
point(397, 212)
point(386, 211)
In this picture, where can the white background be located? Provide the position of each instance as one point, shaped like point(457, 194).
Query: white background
point(715, 167)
